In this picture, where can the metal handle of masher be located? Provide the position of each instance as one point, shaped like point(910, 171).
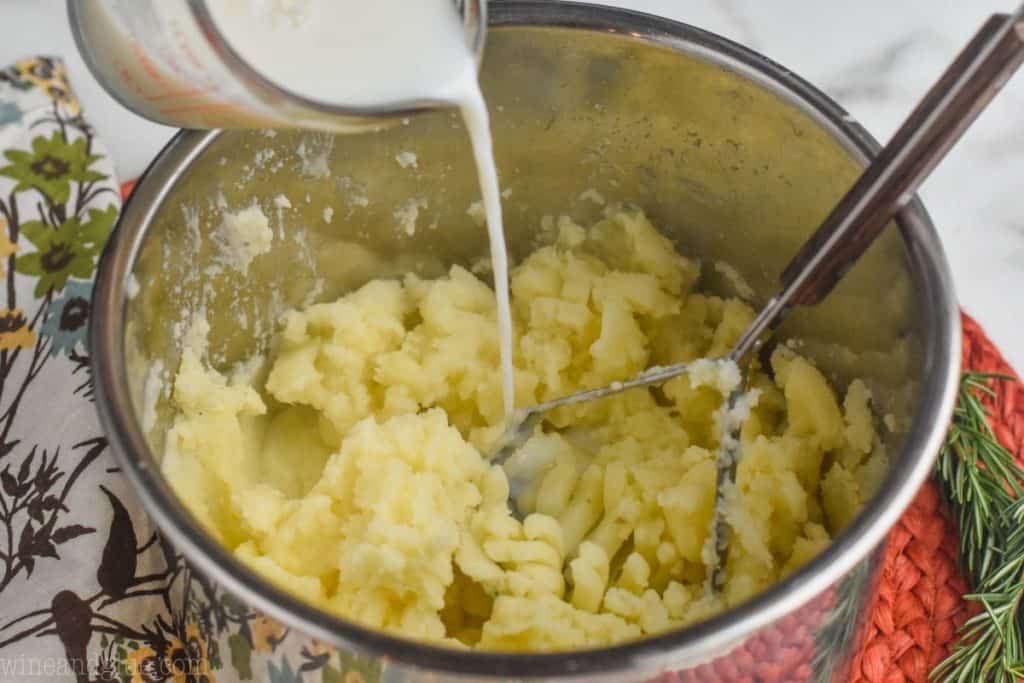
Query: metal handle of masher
point(889, 182)
point(886, 186)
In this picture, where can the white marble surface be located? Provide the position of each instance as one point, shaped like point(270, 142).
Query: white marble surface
point(876, 57)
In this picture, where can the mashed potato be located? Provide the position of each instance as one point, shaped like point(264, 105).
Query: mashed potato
point(351, 475)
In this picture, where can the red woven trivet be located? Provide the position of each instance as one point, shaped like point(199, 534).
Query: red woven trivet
point(919, 603)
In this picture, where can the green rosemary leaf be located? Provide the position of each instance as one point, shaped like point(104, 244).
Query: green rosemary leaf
point(984, 486)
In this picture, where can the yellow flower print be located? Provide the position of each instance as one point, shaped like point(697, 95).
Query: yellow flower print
point(146, 666)
point(50, 76)
point(14, 331)
point(266, 634)
point(176, 660)
point(189, 662)
point(315, 648)
point(7, 248)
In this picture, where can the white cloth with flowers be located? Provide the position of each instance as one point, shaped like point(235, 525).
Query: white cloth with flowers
point(88, 589)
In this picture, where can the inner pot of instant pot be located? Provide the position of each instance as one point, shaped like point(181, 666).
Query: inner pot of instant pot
point(735, 159)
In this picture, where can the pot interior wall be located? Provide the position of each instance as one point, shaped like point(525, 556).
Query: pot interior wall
point(732, 171)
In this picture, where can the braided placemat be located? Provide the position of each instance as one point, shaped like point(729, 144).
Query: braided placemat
point(919, 603)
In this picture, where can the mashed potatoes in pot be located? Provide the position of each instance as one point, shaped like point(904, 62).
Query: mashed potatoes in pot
point(351, 475)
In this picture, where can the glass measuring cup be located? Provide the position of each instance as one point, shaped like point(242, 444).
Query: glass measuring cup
point(167, 60)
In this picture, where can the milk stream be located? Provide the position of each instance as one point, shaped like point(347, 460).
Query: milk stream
point(474, 111)
point(368, 52)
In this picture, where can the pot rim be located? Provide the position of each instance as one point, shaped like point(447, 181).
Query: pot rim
point(687, 646)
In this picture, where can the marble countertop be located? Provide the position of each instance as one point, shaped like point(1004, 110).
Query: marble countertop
point(876, 57)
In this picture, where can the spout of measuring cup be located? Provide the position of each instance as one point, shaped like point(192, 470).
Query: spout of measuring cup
point(474, 20)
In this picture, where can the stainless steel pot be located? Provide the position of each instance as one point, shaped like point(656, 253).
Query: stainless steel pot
point(734, 156)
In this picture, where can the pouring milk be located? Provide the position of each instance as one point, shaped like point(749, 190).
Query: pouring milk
point(355, 53)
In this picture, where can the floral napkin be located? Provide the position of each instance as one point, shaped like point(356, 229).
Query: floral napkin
point(88, 589)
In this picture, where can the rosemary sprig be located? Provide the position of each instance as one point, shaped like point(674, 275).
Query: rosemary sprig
point(834, 636)
point(985, 488)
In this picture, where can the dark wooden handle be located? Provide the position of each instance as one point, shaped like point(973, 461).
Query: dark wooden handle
point(888, 184)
